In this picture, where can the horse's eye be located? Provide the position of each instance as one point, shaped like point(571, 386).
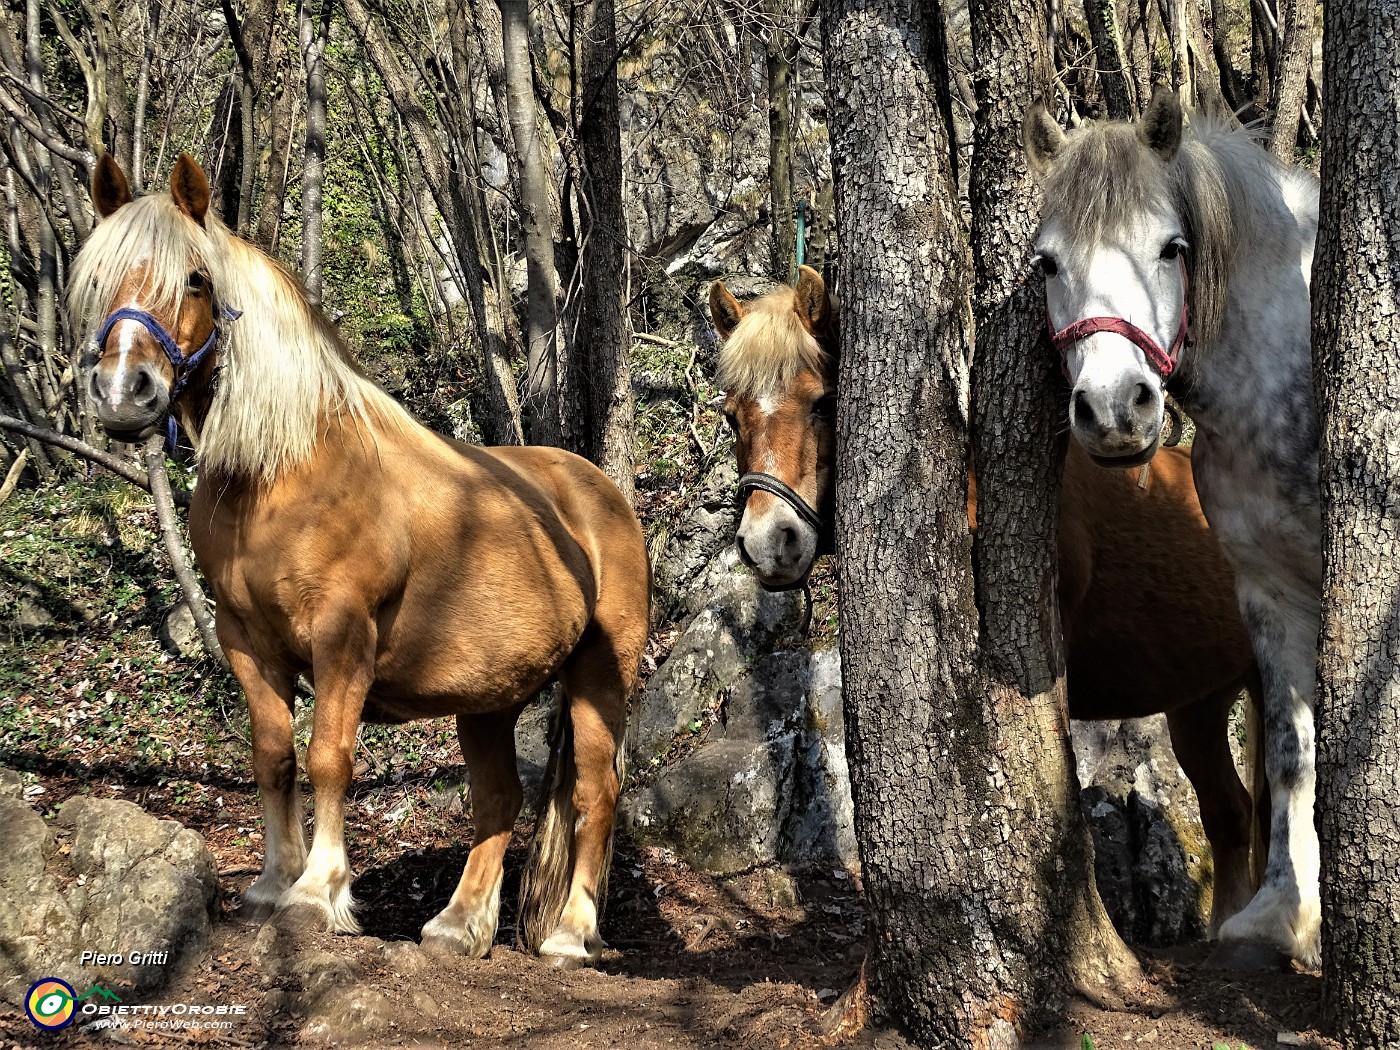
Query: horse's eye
point(1173, 248)
point(732, 420)
point(1045, 263)
point(824, 407)
point(196, 280)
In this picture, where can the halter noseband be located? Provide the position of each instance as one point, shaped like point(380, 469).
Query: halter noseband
point(183, 365)
point(1164, 362)
point(768, 483)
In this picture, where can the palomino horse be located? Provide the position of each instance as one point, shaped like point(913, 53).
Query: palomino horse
point(1180, 649)
point(407, 575)
point(1180, 263)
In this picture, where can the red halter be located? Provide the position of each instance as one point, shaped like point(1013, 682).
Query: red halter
point(1164, 361)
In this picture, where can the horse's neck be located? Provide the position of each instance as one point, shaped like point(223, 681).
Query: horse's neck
point(1252, 390)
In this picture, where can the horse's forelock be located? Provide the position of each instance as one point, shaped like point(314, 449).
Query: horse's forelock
point(1105, 179)
point(150, 233)
point(770, 346)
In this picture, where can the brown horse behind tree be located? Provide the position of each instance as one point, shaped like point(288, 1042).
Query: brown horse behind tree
point(1174, 644)
point(407, 575)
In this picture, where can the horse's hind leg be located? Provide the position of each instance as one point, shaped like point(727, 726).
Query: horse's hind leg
point(270, 699)
point(468, 924)
point(1200, 738)
point(597, 681)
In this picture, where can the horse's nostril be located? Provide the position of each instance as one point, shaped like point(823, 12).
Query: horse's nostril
point(789, 536)
point(743, 551)
point(1083, 412)
point(1141, 395)
point(142, 383)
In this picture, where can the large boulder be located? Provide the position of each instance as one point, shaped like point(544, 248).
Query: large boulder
point(106, 878)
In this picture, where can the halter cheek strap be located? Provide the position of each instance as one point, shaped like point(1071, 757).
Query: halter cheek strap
point(184, 366)
point(1163, 361)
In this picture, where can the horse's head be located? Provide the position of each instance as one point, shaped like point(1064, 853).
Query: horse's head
point(778, 369)
point(141, 286)
point(1114, 248)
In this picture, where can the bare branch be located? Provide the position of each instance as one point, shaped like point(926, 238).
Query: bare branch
point(175, 547)
point(121, 467)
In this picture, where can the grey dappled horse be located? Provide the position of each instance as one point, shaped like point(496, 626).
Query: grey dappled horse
point(1179, 261)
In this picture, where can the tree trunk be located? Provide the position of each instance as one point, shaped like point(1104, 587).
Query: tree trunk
point(143, 87)
point(601, 373)
point(780, 133)
point(1053, 930)
point(542, 304)
point(312, 30)
point(1356, 335)
point(1112, 62)
point(1231, 87)
point(1291, 88)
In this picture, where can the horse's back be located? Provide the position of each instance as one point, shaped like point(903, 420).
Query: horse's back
point(1128, 554)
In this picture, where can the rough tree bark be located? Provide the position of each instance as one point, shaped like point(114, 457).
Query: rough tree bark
point(1053, 931)
point(1356, 335)
point(542, 288)
point(599, 361)
point(968, 833)
point(1291, 86)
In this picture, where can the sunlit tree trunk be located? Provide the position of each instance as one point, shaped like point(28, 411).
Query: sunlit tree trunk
point(1356, 340)
point(313, 26)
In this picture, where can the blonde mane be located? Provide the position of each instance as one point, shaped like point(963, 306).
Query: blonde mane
point(768, 348)
point(282, 365)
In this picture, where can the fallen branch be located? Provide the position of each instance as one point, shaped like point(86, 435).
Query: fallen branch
point(121, 467)
point(12, 478)
point(175, 547)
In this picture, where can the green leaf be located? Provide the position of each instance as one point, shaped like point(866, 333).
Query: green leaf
point(1086, 1043)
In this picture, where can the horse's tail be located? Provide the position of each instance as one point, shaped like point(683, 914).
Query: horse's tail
point(1256, 748)
point(549, 868)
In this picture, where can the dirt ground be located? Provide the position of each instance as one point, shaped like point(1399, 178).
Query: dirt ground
point(751, 961)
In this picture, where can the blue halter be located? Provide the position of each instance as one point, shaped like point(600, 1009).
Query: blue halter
point(184, 366)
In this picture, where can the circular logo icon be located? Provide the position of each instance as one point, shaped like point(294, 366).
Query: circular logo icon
point(49, 1003)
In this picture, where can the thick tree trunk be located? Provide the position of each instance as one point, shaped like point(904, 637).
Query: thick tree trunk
point(601, 372)
point(312, 29)
point(1018, 451)
point(542, 408)
point(1291, 86)
point(1356, 336)
point(964, 792)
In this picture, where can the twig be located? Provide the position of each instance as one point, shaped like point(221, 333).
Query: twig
point(179, 560)
point(118, 466)
point(12, 478)
point(647, 337)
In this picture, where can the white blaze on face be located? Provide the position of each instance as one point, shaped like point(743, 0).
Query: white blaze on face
point(124, 334)
point(1116, 404)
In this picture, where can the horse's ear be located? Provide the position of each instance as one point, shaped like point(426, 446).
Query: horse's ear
point(190, 188)
point(1042, 137)
point(725, 311)
point(110, 190)
point(812, 303)
point(1160, 127)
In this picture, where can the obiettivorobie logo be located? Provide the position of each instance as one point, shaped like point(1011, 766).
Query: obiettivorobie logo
point(52, 1004)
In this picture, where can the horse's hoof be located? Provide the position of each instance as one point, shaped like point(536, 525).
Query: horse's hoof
point(301, 918)
point(252, 913)
point(1248, 956)
point(437, 944)
point(568, 962)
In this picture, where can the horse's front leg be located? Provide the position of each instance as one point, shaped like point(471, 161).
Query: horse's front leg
point(1284, 918)
point(342, 656)
point(270, 694)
